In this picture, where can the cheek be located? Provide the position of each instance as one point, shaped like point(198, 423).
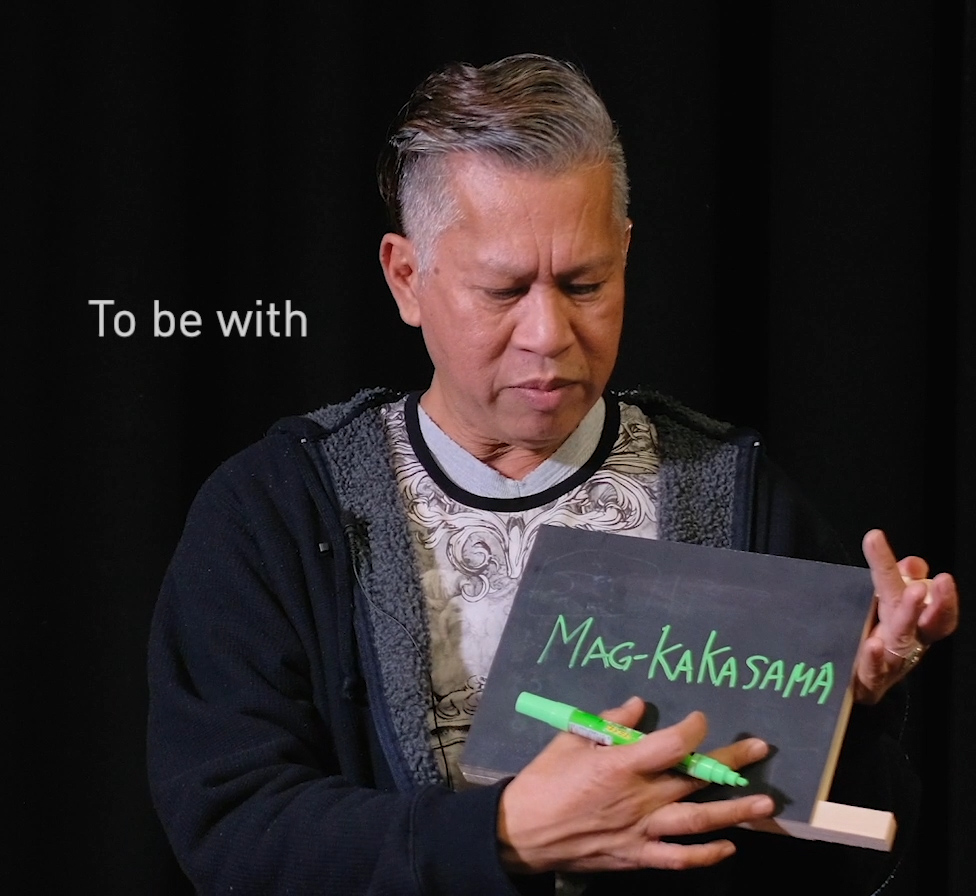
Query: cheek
point(601, 330)
point(464, 343)
point(477, 336)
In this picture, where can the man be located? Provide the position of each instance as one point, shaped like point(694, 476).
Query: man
point(330, 614)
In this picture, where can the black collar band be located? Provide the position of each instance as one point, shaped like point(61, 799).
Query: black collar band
point(611, 425)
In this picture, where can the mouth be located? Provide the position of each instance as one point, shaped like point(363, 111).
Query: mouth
point(544, 385)
point(545, 395)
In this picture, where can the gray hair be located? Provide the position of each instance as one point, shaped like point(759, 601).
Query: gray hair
point(527, 112)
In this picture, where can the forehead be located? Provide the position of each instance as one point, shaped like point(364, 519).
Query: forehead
point(506, 211)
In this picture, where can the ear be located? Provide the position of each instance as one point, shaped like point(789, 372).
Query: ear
point(399, 262)
point(627, 233)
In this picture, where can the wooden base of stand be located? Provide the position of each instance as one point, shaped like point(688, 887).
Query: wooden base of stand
point(837, 823)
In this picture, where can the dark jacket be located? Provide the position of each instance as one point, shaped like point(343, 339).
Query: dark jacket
point(287, 741)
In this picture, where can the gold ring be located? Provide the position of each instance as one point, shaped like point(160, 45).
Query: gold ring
point(910, 655)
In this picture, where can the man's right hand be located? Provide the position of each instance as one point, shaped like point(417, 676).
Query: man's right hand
point(579, 806)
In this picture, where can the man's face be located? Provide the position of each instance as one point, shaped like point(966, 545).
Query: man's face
point(521, 308)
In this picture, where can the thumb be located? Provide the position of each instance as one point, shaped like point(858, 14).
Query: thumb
point(629, 713)
point(913, 567)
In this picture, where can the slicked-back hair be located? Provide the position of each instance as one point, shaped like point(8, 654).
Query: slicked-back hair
point(526, 112)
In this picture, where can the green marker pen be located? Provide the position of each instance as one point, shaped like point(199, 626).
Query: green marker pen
point(569, 718)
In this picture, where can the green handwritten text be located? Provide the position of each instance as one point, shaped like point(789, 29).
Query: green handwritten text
point(711, 663)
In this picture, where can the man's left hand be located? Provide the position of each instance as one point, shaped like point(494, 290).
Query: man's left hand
point(914, 611)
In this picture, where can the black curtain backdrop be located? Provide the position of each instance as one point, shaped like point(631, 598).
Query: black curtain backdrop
point(804, 185)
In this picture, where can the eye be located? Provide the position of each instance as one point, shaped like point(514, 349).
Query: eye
point(581, 290)
point(507, 294)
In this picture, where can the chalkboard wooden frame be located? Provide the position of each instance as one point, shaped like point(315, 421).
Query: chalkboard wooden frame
point(763, 645)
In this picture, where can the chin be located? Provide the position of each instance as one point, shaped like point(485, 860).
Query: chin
point(548, 432)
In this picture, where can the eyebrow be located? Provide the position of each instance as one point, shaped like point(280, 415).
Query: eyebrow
point(591, 266)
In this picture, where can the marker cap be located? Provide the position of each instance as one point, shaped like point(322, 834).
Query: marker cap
point(549, 711)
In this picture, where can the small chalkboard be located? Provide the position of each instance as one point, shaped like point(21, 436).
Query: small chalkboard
point(764, 645)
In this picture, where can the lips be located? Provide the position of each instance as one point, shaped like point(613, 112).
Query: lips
point(544, 395)
point(544, 385)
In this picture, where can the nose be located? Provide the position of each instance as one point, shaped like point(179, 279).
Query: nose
point(545, 324)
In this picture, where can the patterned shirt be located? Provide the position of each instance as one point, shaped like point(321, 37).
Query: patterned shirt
point(472, 540)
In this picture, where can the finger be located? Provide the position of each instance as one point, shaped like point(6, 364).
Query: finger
point(657, 753)
point(679, 784)
point(913, 567)
point(742, 753)
point(898, 623)
point(900, 600)
point(692, 730)
point(885, 574)
point(628, 713)
point(663, 748)
point(940, 617)
point(739, 755)
point(680, 819)
point(679, 857)
point(874, 666)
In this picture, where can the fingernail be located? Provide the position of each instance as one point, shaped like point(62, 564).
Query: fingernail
point(757, 749)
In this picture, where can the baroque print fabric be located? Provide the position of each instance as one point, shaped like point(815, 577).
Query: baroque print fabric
point(471, 560)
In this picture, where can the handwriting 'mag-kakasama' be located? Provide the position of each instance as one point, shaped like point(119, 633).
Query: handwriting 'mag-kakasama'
point(713, 663)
